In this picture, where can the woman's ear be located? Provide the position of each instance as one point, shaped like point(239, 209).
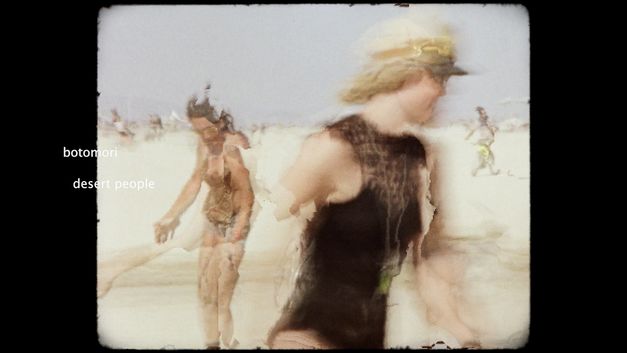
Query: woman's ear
point(413, 79)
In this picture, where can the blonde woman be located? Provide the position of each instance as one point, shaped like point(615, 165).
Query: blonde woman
point(368, 180)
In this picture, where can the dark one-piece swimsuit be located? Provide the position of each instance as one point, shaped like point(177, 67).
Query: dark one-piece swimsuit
point(352, 250)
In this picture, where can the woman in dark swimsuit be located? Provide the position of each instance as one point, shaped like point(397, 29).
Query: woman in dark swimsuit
point(368, 180)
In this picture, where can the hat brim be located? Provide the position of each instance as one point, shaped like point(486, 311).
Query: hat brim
point(457, 71)
point(447, 69)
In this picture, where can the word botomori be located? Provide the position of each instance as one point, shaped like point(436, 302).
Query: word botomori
point(89, 153)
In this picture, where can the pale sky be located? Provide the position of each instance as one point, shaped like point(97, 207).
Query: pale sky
point(286, 63)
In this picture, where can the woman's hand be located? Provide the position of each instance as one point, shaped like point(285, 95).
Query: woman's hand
point(164, 229)
point(239, 232)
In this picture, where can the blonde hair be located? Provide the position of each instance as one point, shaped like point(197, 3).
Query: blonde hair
point(379, 78)
point(398, 49)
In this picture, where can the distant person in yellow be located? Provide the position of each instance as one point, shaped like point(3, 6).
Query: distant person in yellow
point(485, 139)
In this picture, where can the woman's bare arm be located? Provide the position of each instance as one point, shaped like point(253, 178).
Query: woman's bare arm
point(311, 177)
point(164, 228)
point(192, 186)
point(244, 197)
point(427, 211)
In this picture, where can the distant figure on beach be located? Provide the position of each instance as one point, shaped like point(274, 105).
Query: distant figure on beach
point(155, 127)
point(120, 126)
point(485, 133)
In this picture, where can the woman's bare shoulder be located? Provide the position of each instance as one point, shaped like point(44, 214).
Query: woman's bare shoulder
point(237, 138)
point(326, 147)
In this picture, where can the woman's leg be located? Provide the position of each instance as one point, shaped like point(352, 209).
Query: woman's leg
point(230, 258)
point(479, 164)
point(299, 339)
point(490, 163)
point(438, 278)
point(208, 274)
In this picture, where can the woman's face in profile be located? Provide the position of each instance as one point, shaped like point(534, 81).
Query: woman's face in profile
point(206, 130)
point(419, 95)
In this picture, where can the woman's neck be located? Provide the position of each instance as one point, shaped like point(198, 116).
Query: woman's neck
point(215, 148)
point(386, 113)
